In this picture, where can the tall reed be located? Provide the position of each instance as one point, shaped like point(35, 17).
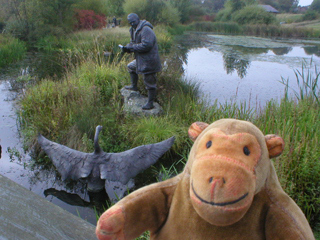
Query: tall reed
point(296, 119)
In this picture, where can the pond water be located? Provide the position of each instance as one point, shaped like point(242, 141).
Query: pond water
point(42, 180)
point(248, 69)
point(227, 68)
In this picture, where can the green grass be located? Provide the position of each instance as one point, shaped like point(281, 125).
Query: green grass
point(288, 17)
point(11, 50)
point(312, 24)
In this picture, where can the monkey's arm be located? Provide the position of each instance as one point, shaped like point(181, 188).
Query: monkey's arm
point(284, 220)
point(283, 224)
point(144, 209)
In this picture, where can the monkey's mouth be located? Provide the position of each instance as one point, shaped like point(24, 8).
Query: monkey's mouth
point(222, 204)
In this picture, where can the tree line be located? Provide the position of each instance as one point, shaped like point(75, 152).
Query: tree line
point(30, 20)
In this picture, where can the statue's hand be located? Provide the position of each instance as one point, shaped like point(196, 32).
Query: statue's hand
point(110, 225)
point(129, 46)
point(125, 49)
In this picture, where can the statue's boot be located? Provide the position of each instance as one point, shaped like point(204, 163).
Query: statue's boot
point(151, 98)
point(134, 82)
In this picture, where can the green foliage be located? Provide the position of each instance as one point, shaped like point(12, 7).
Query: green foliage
point(315, 5)
point(56, 13)
point(169, 15)
point(144, 236)
point(224, 15)
point(183, 7)
point(154, 8)
point(135, 6)
point(98, 6)
point(234, 5)
point(155, 11)
point(253, 15)
point(33, 19)
point(115, 7)
point(11, 50)
point(311, 15)
point(287, 5)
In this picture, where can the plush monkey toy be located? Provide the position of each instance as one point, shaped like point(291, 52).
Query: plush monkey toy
point(228, 190)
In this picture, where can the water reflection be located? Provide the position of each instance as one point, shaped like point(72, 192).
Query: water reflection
point(234, 62)
point(97, 201)
point(281, 51)
point(259, 65)
point(312, 50)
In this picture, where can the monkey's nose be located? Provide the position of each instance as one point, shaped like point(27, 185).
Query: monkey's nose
point(222, 180)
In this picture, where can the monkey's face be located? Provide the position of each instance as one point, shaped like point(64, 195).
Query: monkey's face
point(223, 180)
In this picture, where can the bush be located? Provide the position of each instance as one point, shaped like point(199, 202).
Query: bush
point(253, 15)
point(18, 29)
point(146, 9)
point(196, 12)
point(136, 6)
point(88, 19)
point(310, 15)
point(169, 15)
point(224, 15)
point(11, 50)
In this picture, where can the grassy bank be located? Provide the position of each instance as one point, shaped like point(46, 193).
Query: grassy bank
point(11, 50)
point(68, 110)
point(262, 30)
point(59, 55)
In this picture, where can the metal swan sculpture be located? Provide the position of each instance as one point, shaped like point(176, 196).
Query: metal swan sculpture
point(112, 171)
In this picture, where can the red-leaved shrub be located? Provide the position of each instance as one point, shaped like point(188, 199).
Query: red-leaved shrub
point(208, 18)
point(88, 19)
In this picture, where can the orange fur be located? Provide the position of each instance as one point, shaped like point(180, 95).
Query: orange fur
point(228, 190)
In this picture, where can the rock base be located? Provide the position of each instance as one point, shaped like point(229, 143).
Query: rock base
point(133, 102)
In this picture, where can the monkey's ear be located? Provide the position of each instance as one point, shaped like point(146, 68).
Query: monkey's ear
point(275, 145)
point(195, 129)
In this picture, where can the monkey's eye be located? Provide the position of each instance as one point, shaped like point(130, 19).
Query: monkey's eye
point(209, 143)
point(246, 151)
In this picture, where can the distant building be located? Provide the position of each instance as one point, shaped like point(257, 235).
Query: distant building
point(269, 8)
point(302, 9)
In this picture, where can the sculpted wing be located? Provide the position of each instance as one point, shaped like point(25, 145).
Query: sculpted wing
point(116, 190)
point(123, 166)
point(71, 164)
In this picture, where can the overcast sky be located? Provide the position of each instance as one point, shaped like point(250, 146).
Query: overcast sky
point(305, 2)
